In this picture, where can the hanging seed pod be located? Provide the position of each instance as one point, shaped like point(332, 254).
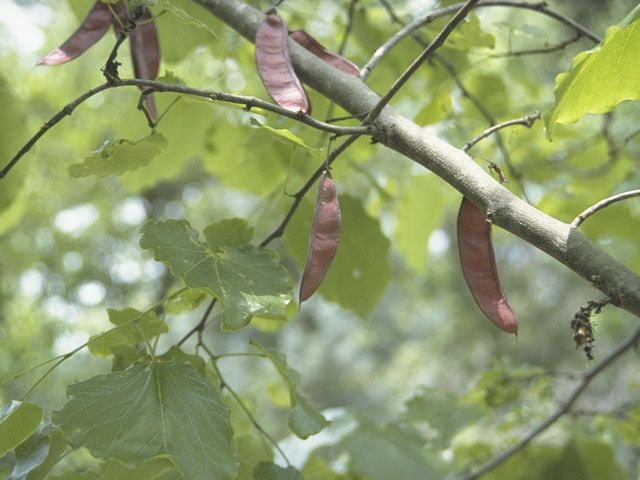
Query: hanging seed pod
point(315, 47)
point(479, 267)
point(145, 53)
point(324, 237)
point(275, 67)
point(93, 27)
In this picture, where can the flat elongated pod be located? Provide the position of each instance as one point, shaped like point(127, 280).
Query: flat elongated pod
point(324, 237)
point(315, 47)
point(145, 53)
point(479, 267)
point(275, 67)
point(93, 27)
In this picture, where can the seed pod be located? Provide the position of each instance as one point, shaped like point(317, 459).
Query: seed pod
point(479, 267)
point(275, 67)
point(324, 237)
point(315, 47)
point(93, 27)
point(145, 53)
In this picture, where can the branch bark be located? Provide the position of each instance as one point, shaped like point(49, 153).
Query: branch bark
point(558, 239)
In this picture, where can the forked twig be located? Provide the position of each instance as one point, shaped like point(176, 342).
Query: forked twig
point(584, 382)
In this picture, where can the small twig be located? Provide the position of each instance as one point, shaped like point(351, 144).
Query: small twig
point(564, 408)
point(248, 102)
point(349, 27)
point(426, 53)
point(110, 69)
point(526, 121)
point(240, 354)
point(61, 358)
point(142, 107)
point(602, 204)
point(540, 7)
point(200, 326)
point(224, 384)
point(538, 51)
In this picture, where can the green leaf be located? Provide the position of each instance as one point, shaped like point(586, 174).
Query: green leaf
point(127, 333)
point(251, 450)
point(171, 78)
point(288, 137)
point(151, 409)
point(18, 420)
point(116, 157)
point(73, 475)
point(599, 79)
point(304, 418)
point(584, 458)
point(126, 355)
point(247, 280)
point(271, 471)
point(230, 232)
point(185, 17)
point(467, 36)
point(151, 469)
point(360, 271)
point(186, 301)
point(419, 212)
point(389, 453)
point(175, 353)
point(39, 453)
point(442, 411)
point(11, 214)
point(186, 29)
point(436, 110)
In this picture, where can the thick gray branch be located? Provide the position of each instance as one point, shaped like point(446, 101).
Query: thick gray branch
point(564, 243)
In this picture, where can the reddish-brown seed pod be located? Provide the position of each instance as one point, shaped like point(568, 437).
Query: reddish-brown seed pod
point(479, 267)
point(324, 237)
point(315, 47)
point(145, 53)
point(275, 67)
point(93, 27)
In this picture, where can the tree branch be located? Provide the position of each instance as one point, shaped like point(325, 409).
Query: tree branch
point(558, 239)
point(540, 7)
point(564, 408)
point(248, 102)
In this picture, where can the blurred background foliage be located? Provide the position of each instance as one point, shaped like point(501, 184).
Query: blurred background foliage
point(393, 341)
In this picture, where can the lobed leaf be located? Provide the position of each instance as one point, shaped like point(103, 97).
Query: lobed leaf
point(127, 333)
point(116, 157)
point(247, 280)
point(151, 409)
point(304, 419)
